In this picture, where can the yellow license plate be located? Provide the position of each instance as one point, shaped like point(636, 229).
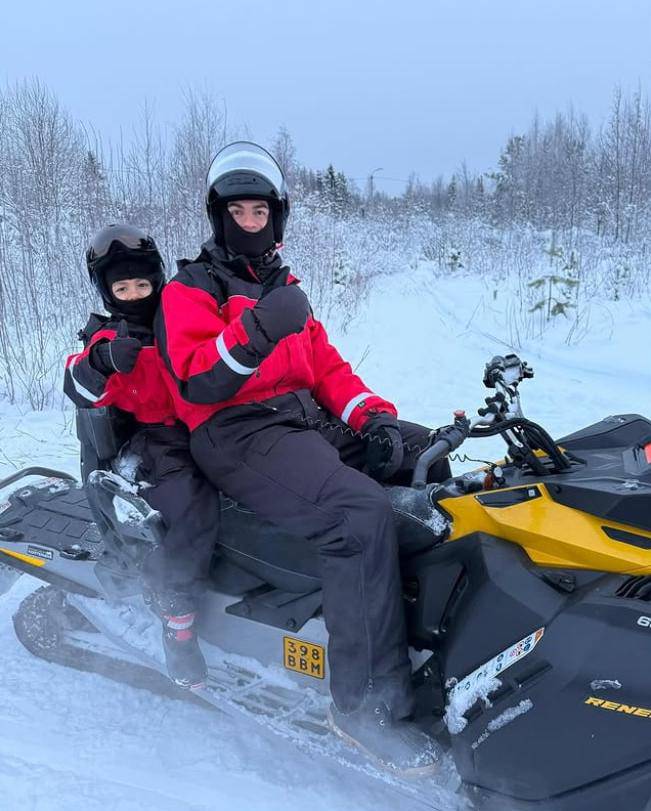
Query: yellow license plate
point(304, 657)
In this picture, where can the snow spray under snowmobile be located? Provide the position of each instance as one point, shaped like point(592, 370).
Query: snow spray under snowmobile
point(527, 591)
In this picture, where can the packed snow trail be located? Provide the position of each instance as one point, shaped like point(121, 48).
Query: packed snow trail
point(424, 343)
point(71, 741)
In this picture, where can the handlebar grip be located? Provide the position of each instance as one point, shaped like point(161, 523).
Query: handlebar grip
point(426, 460)
point(449, 440)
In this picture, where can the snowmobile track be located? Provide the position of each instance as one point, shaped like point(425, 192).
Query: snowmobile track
point(78, 645)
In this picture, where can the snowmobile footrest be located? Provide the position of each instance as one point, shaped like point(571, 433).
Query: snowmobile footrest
point(280, 609)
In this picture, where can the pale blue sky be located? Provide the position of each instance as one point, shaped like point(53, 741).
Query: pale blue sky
point(401, 85)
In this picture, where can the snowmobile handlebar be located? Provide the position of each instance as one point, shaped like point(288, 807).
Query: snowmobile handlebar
point(502, 415)
point(447, 439)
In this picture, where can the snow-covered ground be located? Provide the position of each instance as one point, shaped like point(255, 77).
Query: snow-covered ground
point(72, 741)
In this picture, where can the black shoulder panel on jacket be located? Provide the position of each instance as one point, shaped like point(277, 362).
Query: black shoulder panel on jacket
point(94, 324)
point(201, 276)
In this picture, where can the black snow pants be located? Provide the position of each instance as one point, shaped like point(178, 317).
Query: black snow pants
point(189, 506)
point(307, 479)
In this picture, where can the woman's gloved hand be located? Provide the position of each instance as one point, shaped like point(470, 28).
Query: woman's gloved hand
point(384, 446)
point(118, 355)
point(280, 313)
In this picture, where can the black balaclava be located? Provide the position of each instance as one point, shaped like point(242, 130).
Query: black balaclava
point(256, 246)
point(140, 311)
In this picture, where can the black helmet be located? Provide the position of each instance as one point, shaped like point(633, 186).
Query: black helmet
point(245, 171)
point(123, 244)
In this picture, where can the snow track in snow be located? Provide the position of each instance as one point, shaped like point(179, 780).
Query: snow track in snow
point(72, 741)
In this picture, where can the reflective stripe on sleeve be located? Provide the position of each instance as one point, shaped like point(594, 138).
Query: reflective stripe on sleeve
point(356, 400)
point(230, 361)
point(82, 389)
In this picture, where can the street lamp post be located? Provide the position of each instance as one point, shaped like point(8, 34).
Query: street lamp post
point(371, 188)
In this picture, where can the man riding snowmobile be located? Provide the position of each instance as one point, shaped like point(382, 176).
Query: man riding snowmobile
point(280, 423)
point(120, 366)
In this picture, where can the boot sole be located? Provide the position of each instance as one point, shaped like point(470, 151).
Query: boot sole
point(413, 773)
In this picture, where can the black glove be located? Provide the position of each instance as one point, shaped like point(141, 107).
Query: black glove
point(280, 313)
point(118, 355)
point(384, 448)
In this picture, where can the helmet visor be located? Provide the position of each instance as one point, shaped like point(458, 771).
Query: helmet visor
point(248, 158)
point(116, 238)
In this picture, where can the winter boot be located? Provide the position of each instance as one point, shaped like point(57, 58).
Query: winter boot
point(398, 746)
point(185, 663)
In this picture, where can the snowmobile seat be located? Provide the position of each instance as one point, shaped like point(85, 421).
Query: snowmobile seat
point(292, 563)
point(285, 561)
point(266, 552)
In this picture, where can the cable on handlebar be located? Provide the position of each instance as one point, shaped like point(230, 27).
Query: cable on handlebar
point(551, 447)
point(457, 457)
point(542, 439)
point(345, 430)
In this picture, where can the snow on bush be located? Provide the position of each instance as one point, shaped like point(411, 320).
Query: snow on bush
point(57, 186)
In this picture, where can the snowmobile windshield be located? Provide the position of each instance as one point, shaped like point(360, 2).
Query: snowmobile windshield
point(245, 170)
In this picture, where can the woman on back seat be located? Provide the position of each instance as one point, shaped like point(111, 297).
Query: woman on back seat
point(120, 366)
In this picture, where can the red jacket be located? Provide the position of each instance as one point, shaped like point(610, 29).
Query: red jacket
point(141, 392)
point(203, 342)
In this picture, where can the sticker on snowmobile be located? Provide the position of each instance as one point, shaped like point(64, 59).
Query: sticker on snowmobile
point(499, 663)
point(53, 485)
point(20, 556)
point(615, 706)
point(39, 552)
point(304, 657)
point(4, 506)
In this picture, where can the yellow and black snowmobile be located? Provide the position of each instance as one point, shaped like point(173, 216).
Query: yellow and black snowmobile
point(527, 591)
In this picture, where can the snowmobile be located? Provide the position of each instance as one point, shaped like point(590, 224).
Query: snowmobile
point(527, 592)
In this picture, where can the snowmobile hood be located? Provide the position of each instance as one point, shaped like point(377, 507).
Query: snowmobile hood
point(595, 516)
